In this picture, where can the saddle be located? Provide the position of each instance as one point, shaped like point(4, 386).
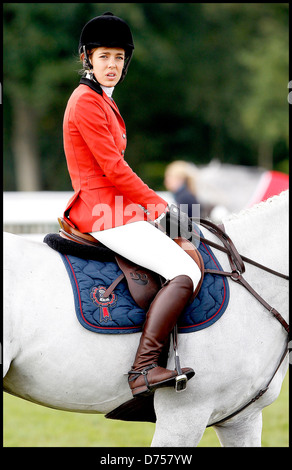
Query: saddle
point(143, 283)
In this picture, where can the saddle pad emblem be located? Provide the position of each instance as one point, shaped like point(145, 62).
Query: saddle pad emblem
point(96, 295)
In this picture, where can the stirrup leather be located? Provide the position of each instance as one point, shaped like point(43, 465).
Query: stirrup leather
point(181, 379)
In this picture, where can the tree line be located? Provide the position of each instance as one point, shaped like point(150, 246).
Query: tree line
point(207, 80)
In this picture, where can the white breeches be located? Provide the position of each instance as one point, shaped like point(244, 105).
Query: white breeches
point(147, 246)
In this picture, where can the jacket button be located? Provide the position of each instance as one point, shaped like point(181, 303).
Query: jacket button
point(124, 136)
point(123, 152)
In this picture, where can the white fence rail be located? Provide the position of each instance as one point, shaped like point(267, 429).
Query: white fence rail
point(38, 212)
point(33, 212)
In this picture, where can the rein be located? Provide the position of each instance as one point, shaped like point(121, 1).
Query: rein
point(236, 262)
point(237, 266)
point(230, 248)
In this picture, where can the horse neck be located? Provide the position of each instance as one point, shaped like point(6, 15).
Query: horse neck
point(261, 233)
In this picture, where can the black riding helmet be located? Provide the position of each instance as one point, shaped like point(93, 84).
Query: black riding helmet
point(107, 30)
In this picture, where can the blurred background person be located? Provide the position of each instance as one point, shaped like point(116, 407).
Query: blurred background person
point(180, 178)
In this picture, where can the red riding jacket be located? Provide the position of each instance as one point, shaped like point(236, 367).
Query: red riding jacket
point(107, 193)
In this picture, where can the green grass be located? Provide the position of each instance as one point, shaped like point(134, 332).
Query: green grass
point(29, 425)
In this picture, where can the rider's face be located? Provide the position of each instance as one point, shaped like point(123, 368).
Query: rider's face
point(108, 63)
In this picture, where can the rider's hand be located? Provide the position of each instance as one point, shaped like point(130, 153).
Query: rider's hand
point(175, 223)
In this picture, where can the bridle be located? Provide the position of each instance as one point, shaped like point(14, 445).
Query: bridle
point(237, 266)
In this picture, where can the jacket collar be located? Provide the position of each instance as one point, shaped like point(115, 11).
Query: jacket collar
point(93, 85)
point(96, 87)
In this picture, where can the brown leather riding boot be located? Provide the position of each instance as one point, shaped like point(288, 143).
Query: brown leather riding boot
point(146, 376)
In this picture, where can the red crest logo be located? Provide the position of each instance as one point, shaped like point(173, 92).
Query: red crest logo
point(96, 295)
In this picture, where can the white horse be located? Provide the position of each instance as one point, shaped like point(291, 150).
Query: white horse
point(50, 359)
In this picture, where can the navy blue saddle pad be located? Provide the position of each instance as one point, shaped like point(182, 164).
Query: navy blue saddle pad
point(119, 313)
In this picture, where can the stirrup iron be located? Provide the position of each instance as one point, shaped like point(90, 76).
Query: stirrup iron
point(181, 383)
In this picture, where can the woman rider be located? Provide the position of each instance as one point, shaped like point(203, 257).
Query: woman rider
point(112, 203)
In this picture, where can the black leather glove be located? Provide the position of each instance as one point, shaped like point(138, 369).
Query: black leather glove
point(176, 223)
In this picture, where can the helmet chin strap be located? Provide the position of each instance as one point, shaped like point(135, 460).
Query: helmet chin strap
point(86, 58)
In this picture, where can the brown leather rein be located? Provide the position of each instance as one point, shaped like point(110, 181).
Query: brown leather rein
point(236, 262)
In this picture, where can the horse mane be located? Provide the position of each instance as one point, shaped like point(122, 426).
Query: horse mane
point(260, 207)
